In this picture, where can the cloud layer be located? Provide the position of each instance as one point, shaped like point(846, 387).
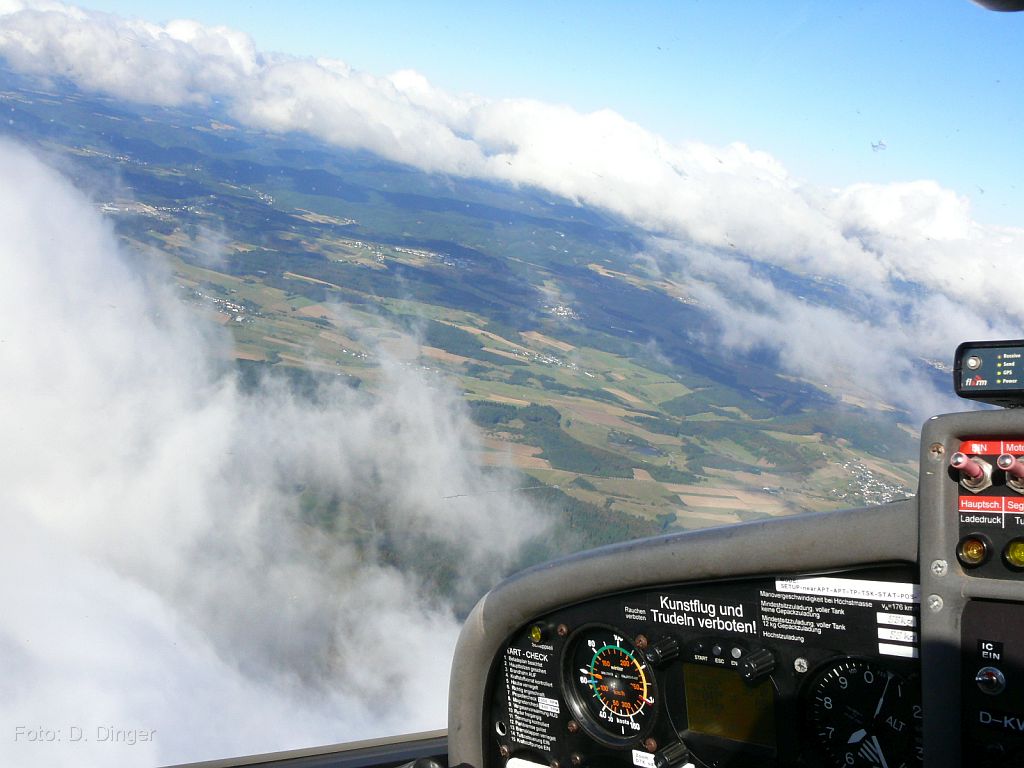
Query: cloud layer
point(905, 249)
point(159, 569)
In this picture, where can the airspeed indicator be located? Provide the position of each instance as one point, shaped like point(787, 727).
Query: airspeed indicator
point(609, 686)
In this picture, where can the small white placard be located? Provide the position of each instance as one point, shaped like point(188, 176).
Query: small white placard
point(898, 635)
point(548, 705)
point(855, 589)
point(888, 649)
point(897, 619)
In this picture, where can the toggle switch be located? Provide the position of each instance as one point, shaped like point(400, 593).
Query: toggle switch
point(975, 473)
point(1014, 469)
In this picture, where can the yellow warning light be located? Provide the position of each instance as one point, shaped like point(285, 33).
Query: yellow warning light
point(536, 633)
point(1014, 554)
point(973, 551)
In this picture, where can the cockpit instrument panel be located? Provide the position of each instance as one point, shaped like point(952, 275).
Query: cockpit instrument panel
point(783, 671)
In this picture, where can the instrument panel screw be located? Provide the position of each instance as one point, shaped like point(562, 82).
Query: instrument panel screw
point(575, 758)
point(572, 727)
point(940, 567)
point(562, 630)
point(555, 764)
point(934, 603)
point(650, 745)
point(504, 751)
point(641, 642)
point(936, 450)
point(800, 665)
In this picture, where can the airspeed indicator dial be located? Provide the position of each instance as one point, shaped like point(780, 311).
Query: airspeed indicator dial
point(611, 690)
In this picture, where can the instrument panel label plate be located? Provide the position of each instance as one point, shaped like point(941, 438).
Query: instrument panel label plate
point(876, 616)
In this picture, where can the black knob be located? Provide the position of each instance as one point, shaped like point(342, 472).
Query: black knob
point(663, 651)
point(671, 755)
point(757, 665)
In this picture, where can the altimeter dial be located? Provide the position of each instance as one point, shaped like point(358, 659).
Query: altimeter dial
point(863, 714)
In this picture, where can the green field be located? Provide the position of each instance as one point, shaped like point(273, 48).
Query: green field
point(582, 369)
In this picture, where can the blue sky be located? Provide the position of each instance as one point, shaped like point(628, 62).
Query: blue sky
point(814, 84)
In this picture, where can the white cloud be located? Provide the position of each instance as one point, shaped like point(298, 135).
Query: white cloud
point(156, 569)
point(872, 343)
point(723, 200)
